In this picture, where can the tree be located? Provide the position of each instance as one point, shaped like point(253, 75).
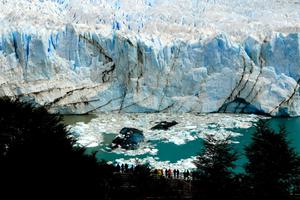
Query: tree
point(273, 166)
point(37, 153)
point(142, 178)
point(215, 165)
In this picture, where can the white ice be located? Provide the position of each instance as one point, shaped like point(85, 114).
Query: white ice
point(181, 165)
point(190, 127)
point(213, 124)
point(164, 18)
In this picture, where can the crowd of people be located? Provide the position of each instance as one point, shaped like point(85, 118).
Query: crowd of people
point(175, 173)
point(167, 173)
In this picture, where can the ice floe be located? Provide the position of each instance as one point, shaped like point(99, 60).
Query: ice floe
point(190, 127)
point(181, 165)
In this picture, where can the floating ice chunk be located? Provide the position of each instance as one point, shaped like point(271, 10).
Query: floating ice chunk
point(181, 165)
point(189, 128)
point(86, 134)
point(144, 148)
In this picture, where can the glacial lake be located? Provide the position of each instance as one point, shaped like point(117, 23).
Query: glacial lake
point(175, 148)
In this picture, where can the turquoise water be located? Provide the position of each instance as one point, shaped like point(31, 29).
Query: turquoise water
point(173, 153)
point(293, 128)
point(73, 119)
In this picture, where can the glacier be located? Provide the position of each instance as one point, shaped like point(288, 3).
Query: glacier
point(152, 56)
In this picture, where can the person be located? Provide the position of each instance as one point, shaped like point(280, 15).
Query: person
point(126, 168)
point(169, 173)
point(122, 168)
point(166, 173)
point(118, 168)
point(174, 173)
point(177, 173)
point(161, 172)
point(187, 174)
point(132, 169)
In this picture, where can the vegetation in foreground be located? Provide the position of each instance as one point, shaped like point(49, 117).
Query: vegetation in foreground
point(273, 169)
point(215, 165)
point(38, 155)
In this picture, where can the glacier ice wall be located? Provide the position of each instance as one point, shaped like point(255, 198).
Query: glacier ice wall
point(80, 56)
point(73, 71)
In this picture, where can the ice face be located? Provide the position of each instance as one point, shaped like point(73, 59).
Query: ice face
point(74, 72)
point(150, 56)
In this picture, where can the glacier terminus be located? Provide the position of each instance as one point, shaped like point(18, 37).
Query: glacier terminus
point(152, 55)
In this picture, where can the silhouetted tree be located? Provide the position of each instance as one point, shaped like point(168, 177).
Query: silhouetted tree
point(273, 167)
point(156, 188)
point(38, 154)
point(215, 165)
point(142, 179)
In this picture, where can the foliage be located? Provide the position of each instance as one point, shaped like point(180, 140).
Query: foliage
point(215, 165)
point(38, 154)
point(273, 167)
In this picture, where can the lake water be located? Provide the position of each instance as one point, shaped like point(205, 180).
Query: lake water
point(175, 148)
